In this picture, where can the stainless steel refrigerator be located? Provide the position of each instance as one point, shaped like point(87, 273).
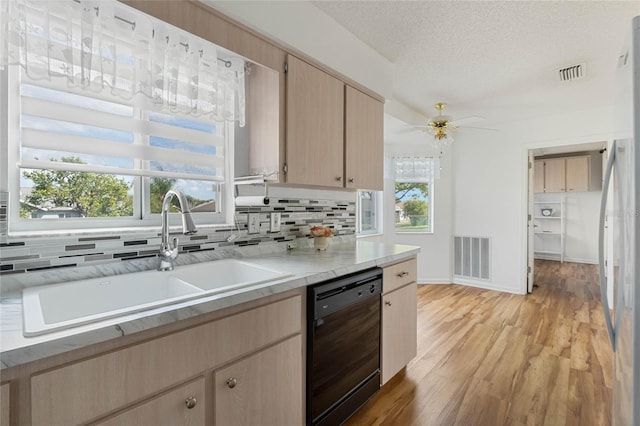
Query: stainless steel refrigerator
point(620, 213)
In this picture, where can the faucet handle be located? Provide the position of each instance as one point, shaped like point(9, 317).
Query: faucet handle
point(174, 243)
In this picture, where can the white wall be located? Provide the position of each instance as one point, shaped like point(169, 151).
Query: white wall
point(490, 184)
point(306, 28)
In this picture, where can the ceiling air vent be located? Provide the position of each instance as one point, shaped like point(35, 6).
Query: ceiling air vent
point(574, 72)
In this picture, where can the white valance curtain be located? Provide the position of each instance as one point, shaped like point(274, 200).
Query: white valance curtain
point(113, 50)
point(413, 169)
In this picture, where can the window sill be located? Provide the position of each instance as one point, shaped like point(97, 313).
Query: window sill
point(377, 234)
point(414, 232)
point(106, 232)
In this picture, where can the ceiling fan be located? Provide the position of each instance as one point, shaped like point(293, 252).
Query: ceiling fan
point(442, 126)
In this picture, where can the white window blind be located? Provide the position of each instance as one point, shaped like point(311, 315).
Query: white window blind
point(115, 138)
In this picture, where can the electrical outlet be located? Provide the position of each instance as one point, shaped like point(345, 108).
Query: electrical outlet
point(254, 223)
point(275, 222)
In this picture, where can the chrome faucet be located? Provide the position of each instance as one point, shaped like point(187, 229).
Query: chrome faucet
point(169, 249)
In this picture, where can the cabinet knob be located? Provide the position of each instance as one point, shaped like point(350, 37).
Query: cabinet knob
point(339, 178)
point(403, 274)
point(387, 302)
point(232, 382)
point(351, 180)
point(191, 402)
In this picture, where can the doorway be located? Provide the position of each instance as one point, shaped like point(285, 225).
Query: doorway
point(564, 190)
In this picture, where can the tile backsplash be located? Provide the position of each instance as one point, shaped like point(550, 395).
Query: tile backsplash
point(4, 215)
point(20, 258)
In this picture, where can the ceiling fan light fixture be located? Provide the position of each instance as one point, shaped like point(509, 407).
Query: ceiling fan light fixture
point(440, 125)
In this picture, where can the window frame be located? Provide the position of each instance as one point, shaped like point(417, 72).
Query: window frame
point(377, 198)
point(430, 181)
point(140, 220)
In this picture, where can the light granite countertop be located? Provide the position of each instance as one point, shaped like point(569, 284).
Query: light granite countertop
point(307, 266)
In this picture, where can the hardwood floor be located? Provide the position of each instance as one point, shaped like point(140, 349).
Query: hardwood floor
point(490, 358)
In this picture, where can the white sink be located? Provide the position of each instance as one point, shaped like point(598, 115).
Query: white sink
point(61, 306)
point(225, 275)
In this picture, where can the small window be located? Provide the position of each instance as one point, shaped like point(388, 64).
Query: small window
point(369, 218)
point(414, 177)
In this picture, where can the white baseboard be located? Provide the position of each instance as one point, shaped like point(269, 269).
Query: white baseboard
point(567, 259)
point(435, 281)
point(484, 285)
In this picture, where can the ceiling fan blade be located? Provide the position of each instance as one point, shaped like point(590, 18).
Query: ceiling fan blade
point(478, 128)
point(467, 120)
point(411, 129)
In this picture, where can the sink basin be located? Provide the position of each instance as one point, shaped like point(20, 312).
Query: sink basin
point(60, 306)
point(225, 275)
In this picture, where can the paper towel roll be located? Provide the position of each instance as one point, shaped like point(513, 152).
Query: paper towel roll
point(254, 200)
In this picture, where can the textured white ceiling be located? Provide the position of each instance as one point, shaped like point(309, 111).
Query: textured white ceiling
point(495, 59)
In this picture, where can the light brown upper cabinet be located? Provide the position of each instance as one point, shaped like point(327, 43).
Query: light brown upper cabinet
point(315, 126)
point(577, 169)
point(554, 175)
point(580, 173)
point(334, 132)
point(265, 118)
point(363, 141)
point(538, 176)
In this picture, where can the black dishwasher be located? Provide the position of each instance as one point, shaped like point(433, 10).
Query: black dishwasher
point(343, 346)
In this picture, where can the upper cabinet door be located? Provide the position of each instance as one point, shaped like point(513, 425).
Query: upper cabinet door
point(554, 175)
point(578, 174)
point(538, 176)
point(363, 141)
point(315, 126)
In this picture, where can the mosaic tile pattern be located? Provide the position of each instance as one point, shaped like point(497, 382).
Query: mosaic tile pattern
point(297, 216)
point(4, 215)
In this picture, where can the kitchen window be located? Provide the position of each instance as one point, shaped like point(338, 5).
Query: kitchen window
point(108, 109)
point(414, 185)
point(368, 212)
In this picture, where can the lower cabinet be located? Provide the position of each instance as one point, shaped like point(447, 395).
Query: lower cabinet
point(184, 405)
point(4, 404)
point(255, 358)
point(399, 319)
point(263, 389)
point(399, 329)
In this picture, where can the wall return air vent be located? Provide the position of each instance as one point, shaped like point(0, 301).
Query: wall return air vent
point(472, 257)
point(573, 72)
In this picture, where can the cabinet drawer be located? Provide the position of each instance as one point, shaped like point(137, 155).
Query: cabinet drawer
point(168, 409)
point(70, 395)
point(400, 274)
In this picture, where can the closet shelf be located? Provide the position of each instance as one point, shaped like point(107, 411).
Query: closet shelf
point(550, 225)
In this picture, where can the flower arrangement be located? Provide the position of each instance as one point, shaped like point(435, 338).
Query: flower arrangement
point(320, 231)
